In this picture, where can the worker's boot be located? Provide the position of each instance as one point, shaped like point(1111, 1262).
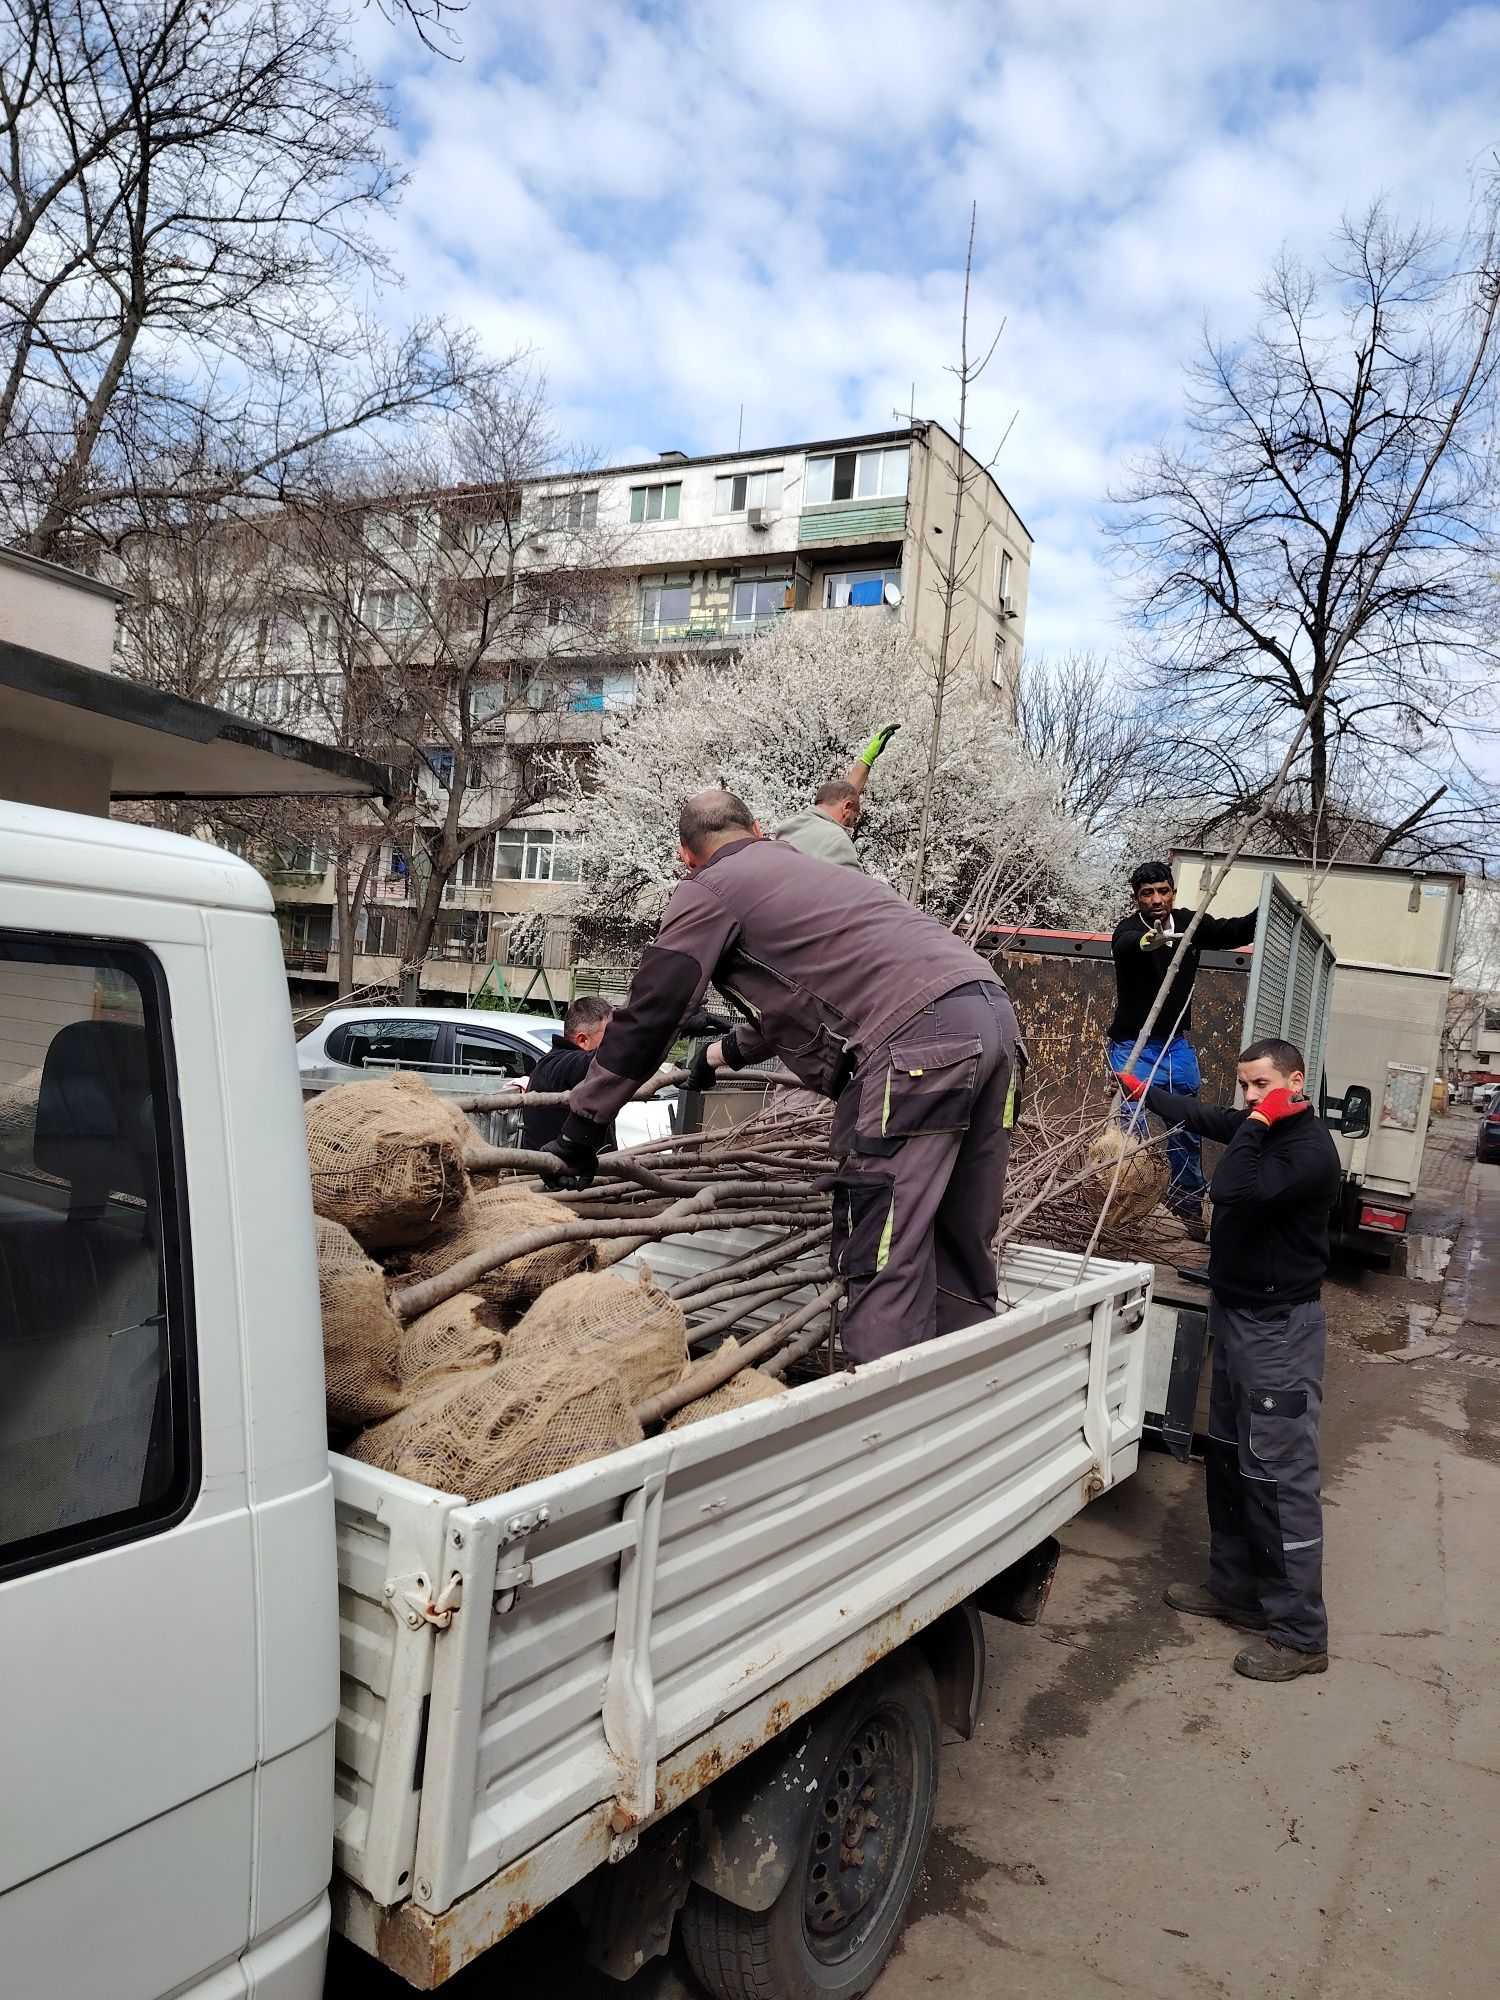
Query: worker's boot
point(1199, 1602)
point(1270, 1660)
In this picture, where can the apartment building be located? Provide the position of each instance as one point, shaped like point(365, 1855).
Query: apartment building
point(683, 554)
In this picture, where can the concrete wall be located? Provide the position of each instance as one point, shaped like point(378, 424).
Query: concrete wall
point(51, 610)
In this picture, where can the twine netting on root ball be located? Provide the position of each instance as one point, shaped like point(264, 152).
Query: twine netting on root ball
point(361, 1336)
point(738, 1393)
point(386, 1160)
point(487, 1430)
point(494, 1215)
point(636, 1329)
point(460, 1333)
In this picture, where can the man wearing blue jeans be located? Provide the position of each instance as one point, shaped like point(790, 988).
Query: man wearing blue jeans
point(1145, 945)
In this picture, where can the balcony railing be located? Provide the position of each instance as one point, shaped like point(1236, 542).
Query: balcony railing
point(702, 631)
point(305, 958)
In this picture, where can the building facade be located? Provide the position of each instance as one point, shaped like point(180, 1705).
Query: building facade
point(674, 555)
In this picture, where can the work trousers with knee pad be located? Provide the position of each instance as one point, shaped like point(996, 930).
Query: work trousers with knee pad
point(924, 1128)
point(1265, 1508)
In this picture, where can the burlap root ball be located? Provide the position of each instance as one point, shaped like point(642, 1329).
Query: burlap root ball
point(738, 1393)
point(453, 1335)
point(1143, 1176)
point(491, 1216)
point(487, 1430)
point(386, 1160)
point(637, 1329)
point(361, 1335)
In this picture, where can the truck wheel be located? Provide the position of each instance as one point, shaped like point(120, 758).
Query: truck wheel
point(832, 1927)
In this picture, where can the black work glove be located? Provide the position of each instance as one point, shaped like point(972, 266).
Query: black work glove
point(701, 1073)
point(576, 1163)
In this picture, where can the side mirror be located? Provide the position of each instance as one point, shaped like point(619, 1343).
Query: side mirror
point(1350, 1114)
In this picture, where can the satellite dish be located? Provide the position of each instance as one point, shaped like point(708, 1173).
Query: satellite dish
point(892, 593)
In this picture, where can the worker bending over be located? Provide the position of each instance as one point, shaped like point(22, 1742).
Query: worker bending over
point(564, 1064)
point(867, 1000)
point(1144, 945)
point(1267, 1255)
point(827, 827)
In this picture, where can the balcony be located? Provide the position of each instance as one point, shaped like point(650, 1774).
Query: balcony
point(702, 633)
point(306, 959)
point(853, 522)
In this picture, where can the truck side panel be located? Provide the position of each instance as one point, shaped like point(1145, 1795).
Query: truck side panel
point(696, 1576)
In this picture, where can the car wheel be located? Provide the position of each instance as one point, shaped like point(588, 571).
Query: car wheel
point(832, 1927)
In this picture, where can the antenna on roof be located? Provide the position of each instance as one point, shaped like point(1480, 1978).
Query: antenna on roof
point(739, 435)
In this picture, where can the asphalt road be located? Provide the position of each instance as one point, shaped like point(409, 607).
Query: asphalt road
point(1132, 1817)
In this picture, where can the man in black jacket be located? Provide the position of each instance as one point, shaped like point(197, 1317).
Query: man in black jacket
point(1267, 1254)
point(564, 1064)
point(1144, 945)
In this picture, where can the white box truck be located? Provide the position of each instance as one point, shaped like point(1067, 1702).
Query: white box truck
point(699, 1682)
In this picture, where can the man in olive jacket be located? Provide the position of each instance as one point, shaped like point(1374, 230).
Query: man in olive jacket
point(867, 1000)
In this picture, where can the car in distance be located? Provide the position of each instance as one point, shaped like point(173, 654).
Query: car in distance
point(1488, 1144)
point(458, 1051)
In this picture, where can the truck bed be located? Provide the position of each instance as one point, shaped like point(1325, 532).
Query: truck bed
point(529, 1681)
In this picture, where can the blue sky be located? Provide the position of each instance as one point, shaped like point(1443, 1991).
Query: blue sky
point(686, 208)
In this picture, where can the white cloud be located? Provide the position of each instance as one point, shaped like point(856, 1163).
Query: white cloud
point(693, 208)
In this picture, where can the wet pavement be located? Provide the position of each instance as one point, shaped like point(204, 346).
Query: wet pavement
point(1134, 1818)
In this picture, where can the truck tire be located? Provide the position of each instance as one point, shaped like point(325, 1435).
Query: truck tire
point(832, 1927)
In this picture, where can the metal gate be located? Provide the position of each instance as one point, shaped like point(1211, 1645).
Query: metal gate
point(1291, 979)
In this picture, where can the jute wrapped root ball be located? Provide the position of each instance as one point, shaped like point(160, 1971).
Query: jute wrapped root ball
point(1143, 1178)
point(456, 1334)
point(738, 1393)
point(635, 1328)
point(494, 1215)
point(361, 1335)
point(487, 1430)
point(386, 1160)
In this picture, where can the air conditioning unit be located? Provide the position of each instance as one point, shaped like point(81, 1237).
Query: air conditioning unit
point(756, 516)
point(1007, 607)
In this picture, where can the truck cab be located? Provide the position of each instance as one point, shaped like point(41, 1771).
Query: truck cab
point(168, 1610)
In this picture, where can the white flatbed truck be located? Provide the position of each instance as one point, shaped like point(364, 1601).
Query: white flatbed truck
point(698, 1682)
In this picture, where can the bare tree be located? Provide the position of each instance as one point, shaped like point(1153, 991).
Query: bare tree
point(1079, 716)
point(1252, 542)
point(185, 193)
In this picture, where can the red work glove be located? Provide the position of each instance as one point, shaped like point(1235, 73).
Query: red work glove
point(1278, 1104)
point(1133, 1086)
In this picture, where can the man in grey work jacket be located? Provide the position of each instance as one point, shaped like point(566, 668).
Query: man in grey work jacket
point(869, 1001)
point(1267, 1256)
point(827, 827)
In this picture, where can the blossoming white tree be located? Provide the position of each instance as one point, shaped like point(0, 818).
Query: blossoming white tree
point(793, 710)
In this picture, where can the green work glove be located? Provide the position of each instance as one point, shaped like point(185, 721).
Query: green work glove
point(878, 742)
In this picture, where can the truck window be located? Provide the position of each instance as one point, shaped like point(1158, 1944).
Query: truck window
point(97, 1434)
point(385, 1043)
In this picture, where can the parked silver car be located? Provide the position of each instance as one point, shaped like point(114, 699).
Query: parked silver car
point(456, 1050)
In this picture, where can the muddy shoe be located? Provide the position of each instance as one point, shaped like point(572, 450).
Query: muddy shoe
point(1269, 1660)
point(1199, 1602)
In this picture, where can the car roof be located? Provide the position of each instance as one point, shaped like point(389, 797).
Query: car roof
point(489, 1017)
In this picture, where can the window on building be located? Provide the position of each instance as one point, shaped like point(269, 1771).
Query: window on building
point(98, 1439)
point(736, 491)
point(286, 697)
point(1002, 580)
point(1492, 1020)
point(656, 503)
point(408, 531)
point(300, 857)
point(476, 865)
point(857, 475)
point(536, 854)
point(757, 600)
point(666, 608)
point(464, 935)
point(381, 934)
point(997, 669)
point(858, 587)
point(390, 610)
point(573, 512)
